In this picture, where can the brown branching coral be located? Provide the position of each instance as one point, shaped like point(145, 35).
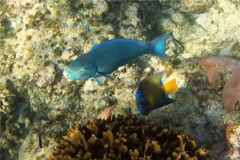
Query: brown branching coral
point(213, 66)
point(128, 137)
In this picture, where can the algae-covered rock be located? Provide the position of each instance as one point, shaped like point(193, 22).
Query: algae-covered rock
point(197, 6)
point(39, 38)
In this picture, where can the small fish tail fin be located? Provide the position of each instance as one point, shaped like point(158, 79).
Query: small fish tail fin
point(158, 45)
point(170, 86)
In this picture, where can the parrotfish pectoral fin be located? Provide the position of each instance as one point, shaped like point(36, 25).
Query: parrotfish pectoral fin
point(97, 79)
point(104, 75)
point(158, 46)
point(170, 86)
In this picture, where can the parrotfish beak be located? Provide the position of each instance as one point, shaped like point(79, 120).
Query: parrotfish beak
point(81, 72)
point(72, 75)
point(65, 74)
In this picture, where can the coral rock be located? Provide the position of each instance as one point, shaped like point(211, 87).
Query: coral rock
point(232, 134)
point(197, 6)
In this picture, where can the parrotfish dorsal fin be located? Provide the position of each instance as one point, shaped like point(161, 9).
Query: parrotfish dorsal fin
point(170, 86)
point(109, 42)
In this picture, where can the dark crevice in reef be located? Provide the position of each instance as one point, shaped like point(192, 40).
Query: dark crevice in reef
point(15, 123)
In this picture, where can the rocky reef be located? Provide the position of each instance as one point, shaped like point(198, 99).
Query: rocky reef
point(126, 137)
point(39, 38)
point(232, 133)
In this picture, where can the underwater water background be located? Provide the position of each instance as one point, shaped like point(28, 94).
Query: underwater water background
point(40, 38)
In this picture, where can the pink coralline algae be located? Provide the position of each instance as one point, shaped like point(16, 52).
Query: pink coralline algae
point(213, 66)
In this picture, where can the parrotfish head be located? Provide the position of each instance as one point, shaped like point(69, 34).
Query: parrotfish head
point(79, 72)
point(142, 105)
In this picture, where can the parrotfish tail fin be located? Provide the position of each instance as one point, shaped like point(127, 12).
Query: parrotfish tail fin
point(170, 86)
point(158, 46)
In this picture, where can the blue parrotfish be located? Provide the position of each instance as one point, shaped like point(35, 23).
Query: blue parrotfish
point(106, 57)
point(151, 93)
